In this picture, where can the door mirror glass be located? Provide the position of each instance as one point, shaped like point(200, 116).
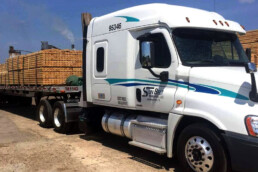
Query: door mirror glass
point(251, 67)
point(147, 54)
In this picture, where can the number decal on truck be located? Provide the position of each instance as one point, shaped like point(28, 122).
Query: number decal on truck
point(114, 27)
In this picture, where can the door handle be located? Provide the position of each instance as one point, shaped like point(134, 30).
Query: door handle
point(138, 94)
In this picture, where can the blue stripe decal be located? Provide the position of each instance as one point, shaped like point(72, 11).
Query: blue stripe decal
point(227, 93)
point(194, 87)
point(135, 84)
point(198, 88)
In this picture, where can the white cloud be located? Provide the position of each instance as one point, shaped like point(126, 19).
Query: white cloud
point(246, 1)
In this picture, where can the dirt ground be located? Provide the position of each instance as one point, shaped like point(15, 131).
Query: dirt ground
point(25, 146)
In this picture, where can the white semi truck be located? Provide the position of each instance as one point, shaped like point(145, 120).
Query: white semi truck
point(172, 79)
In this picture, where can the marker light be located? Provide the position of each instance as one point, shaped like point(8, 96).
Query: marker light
point(242, 27)
point(179, 102)
point(214, 21)
point(252, 125)
point(227, 23)
point(221, 23)
point(187, 19)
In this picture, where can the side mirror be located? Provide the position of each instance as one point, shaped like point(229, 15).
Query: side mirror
point(147, 54)
point(250, 67)
point(164, 76)
point(248, 53)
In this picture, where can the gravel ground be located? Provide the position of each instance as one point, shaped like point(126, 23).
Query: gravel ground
point(25, 146)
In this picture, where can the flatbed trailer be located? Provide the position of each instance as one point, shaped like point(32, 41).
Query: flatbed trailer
point(39, 92)
point(31, 91)
point(66, 97)
point(158, 75)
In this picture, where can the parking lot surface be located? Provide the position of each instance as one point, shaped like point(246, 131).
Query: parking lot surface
point(25, 146)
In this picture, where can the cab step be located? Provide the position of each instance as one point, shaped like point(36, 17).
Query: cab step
point(148, 147)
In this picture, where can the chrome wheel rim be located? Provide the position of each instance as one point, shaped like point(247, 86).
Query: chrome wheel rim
point(199, 154)
point(56, 115)
point(41, 114)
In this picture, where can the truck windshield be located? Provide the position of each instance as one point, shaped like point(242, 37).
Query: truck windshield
point(198, 47)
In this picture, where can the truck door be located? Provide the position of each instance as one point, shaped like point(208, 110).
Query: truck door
point(100, 89)
point(156, 57)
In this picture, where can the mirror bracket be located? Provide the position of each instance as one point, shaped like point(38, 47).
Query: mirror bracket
point(163, 76)
point(251, 68)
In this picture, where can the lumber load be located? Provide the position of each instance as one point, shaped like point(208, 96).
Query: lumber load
point(3, 74)
point(250, 40)
point(46, 67)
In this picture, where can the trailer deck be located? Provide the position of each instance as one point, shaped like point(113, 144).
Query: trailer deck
point(29, 91)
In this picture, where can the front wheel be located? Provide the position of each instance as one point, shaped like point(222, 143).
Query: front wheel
point(200, 149)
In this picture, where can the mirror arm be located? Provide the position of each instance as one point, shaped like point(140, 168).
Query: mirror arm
point(253, 93)
point(163, 75)
point(251, 68)
point(153, 73)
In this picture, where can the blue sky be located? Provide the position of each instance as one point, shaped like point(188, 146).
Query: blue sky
point(24, 23)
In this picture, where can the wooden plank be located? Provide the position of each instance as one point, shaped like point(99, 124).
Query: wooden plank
point(46, 67)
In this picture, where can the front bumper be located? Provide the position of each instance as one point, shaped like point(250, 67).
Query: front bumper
point(243, 150)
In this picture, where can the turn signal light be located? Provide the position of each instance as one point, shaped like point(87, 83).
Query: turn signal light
point(179, 102)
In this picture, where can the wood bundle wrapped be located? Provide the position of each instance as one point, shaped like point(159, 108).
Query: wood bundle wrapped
point(3, 74)
point(250, 40)
point(46, 67)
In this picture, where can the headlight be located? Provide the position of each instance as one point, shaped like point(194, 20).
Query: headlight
point(252, 125)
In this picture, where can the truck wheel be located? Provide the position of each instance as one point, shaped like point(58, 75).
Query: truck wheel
point(44, 114)
point(59, 118)
point(200, 149)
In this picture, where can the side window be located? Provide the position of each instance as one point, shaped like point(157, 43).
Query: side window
point(100, 59)
point(154, 51)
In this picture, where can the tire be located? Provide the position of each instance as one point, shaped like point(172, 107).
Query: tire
point(44, 114)
point(199, 148)
point(59, 118)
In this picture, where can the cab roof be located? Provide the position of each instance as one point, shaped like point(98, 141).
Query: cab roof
point(174, 16)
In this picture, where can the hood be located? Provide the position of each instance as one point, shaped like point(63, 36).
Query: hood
point(226, 81)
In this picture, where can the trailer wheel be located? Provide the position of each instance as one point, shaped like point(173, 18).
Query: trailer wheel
point(200, 149)
point(44, 114)
point(59, 118)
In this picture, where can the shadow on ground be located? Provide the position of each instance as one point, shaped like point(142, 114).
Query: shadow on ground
point(26, 112)
point(143, 156)
point(115, 142)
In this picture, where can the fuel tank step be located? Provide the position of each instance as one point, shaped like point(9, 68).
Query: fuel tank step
point(148, 147)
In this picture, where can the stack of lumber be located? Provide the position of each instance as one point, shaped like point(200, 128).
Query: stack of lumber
point(3, 74)
point(46, 67)
point(250, 40)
